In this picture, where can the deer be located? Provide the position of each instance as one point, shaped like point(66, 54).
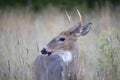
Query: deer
point(59, 59)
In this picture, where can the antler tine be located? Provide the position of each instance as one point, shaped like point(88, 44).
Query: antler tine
point(79, 15)
point(68, 16)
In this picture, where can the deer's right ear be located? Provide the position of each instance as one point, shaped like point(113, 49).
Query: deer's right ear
point(83, 30)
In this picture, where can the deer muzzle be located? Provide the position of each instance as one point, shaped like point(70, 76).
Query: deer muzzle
point(44, 51)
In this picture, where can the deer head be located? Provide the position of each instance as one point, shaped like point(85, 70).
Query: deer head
point(66, 39)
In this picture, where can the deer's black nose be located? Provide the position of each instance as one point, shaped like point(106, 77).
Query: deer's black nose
point(43, 51)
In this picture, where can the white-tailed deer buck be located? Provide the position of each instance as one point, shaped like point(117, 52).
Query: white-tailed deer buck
point(60, 59)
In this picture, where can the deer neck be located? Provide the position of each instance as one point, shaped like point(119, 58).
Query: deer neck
point(68, 55)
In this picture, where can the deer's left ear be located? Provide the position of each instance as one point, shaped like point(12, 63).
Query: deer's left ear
point(83, 30)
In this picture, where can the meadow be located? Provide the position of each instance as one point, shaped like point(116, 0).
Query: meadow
point(23, 33)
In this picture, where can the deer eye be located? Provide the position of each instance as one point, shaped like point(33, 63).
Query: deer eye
point(62, 39)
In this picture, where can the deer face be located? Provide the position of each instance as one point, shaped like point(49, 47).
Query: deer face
point(66, 39)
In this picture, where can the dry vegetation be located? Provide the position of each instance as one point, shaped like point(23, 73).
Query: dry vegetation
point(24, 33)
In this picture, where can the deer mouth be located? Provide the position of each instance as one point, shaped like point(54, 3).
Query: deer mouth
point(44, 52)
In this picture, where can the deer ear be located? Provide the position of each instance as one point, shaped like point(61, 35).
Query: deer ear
point(83, 30)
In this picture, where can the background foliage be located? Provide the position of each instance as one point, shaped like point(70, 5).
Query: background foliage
point(63, 4)
point(23, 33)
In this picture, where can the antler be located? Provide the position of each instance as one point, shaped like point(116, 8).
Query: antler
point(79, 15)
point(78, 25)
point(68, 16)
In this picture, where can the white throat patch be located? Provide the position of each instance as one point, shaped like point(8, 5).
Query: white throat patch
point(65, 55)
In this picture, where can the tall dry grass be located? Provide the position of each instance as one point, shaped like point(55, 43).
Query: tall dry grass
point(23, 33)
